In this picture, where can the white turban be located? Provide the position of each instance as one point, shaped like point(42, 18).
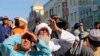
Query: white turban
point(42, 25)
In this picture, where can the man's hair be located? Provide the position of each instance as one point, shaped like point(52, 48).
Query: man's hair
point(94, 43)
point(77, 25)
point(16, 22)
point(96, 23)
point(37, 20)
point(11, 21)
point(27, 36)
point(5, 19)
point(63, 25)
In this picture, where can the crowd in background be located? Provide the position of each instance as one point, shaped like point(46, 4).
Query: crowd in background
point(53, 39)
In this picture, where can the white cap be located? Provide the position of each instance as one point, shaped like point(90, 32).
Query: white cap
point(42, 25)
point(85, 34)
point(95, 34)
point(22, 19)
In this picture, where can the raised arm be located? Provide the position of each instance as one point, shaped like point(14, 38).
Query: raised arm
point(44, 49)
point(12, 40)
point(7, 46)
point(64, 35)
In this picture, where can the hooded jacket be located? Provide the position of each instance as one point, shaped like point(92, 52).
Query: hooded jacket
point(7, 47)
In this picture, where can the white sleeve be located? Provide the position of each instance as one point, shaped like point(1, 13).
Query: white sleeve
point(67, 36)
point(54, 45)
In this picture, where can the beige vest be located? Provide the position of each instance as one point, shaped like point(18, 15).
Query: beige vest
point(97, 52)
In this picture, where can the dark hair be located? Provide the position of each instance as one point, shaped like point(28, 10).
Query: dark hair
point(64, 25)
point(96, 23)
point(27, 36)
point(5, 18)
point(77, 25)
point(94, 43)
point(11, 21)
point(16, 22)
point(37, 20)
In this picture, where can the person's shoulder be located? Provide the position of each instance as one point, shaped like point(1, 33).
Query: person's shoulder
point(87, 50)
point(15, 29)
point(0, 25)
point(76, 31)
point(97, 52)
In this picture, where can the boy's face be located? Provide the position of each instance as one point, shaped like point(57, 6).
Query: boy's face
point(26, 44)
point(10, 23)
point(5, 21)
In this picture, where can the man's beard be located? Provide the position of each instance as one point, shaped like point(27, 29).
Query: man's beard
point(45, 38)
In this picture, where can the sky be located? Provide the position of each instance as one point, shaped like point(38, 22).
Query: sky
point(16, 8)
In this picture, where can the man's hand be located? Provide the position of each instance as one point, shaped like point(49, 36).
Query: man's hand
point(55, 17)
point(34, 37)
point(54, 26)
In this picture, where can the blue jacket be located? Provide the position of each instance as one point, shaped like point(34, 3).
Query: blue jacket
point(6, 48)
point(3, 32)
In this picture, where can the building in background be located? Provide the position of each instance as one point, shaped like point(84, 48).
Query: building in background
point(57, 7)
point(48, 8)
point(37, 11)
point(66, 9)
point(96, 10)
point(86, 13)
point(89, 12)
point(74, 11)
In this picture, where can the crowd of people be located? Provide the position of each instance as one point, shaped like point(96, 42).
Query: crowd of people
point(47, 39)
